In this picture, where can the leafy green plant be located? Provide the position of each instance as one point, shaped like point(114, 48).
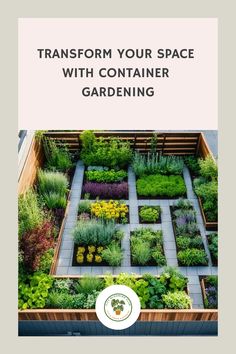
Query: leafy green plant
point(88, 284)
point(84, 207)
point(141, 289)
point(208, 192)
point(52, 182)
point(193, 165)
point(183, 242)
point(173, 279)
point(208, 168)
point(54, 200)
point(213, 245)
point(177, 300)
point(182, 203)
point(106, 176)
point(95, 232)
point(63, 285)
point(63, 300)
point(46, 261)
point(100, 152)
point(163, 186)
point(126, 279)
point(156, 290)
point(30, 214)
point(91, 300)
point(58, 156)
point(113, 255)
point(191, 257)
point(159, 257)
point(33, 291)
point(149, 214)
point(141, 253)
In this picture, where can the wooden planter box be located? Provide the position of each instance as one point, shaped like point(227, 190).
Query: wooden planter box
point(145, 315)
point(210, 226)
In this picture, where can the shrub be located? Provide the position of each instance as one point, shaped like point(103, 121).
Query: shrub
point(177, 300)
point(191, 257)
point(46, 261)
point(141, 252)
point(106, 190)
point(30, 215)
point(58, 156)
point(94, 232)
point(173, 280)
point(52, 182)
point(193, 165)
point(208, 192)
point(84, 207)
point(112, 210)
point(110, 176)
point(155, 164)
point(62, 300)
point(111, 153)
point(54, 200)
point(208, 168)
point(113, 255)
point(35, 243)
point(88, 284)
point(213, 245)
point(149, 214)
point(33, 291)
point(163, 186)
point(159, 257)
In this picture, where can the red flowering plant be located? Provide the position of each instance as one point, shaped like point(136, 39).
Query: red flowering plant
point(35, 243)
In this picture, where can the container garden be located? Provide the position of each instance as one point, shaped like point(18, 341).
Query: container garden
point(212, 240)
point(209, 286)
point(209, 225)
point(149, 214)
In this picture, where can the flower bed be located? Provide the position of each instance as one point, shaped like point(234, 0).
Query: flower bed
point(209, 287)
point(160, 187)
point(105, 190)
point(149, 214)
point(190, 248)
point(147, 247)
point(167, 291)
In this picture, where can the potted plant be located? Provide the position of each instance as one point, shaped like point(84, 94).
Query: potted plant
point(117, 306)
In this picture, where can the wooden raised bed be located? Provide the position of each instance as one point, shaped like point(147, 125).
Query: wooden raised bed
point(145, 315)
point(210, 226)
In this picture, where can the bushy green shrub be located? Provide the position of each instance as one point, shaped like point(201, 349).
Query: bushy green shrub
point(208, 192)
point(213, 245)
point(193, 165)
point(182, 203)
point(84, 207)
point(191, 257)
point(113, 255)
point(183, 242)
point(208, 168)
point(49, 182)
point(99, 152)
point(159, 257)
point(173, 279)
point(88, 284)
point(46, 261)
point(162, 186)
point(94, 232)
point(141, 289)
point(57, 156)
point(33, 290)
point(177, 300)
point(30, 214)
point(63, 300)
point(149, 213)
point(155, 164)
point(141, 252)
point(54, 200)
point(106, 176)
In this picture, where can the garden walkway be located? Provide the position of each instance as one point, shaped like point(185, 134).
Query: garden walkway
point(64, 266)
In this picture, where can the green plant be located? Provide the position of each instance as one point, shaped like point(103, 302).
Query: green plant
point(30, 214)
point(62, 300)
point(149, 214)
point(192, 256)
point(208, 192)
point(113, 255)
point(156, 290)
point(88, 284)
point(208, 168)
point(46, 261)
point(126, 279)
point(52, 182)
point(177, 300)
point(141, 289)
point(33, 290)
point(91, 300)
point(94, 232)
point(152, 163)
point(141, 252)
point(106, 176)
point(63, 285)
point(163, 186)
point(173, 280)
point(183, 242)
point(193, 165)
point(213, 245)
point(182, 203)
point(57, 156)
point(84, 207)
point(111, 153)
point(159, 257)
point(54, 200)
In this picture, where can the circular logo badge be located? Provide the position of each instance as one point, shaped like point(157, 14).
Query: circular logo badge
point(118, 307)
